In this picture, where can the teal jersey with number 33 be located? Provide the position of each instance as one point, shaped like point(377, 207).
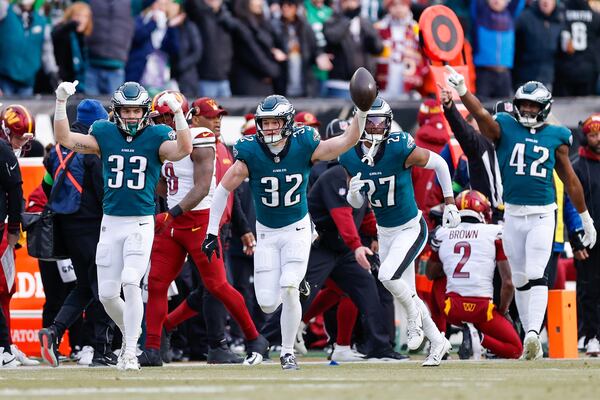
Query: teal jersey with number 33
point(388, 183)
point(130, 168)
point(526, 157)
point(278, 182)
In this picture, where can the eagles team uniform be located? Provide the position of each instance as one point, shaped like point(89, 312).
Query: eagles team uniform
point(401, 228)
point(526, 157)
point(468, 254)
point(283, 228)
point(131, 169)
point(185, 237)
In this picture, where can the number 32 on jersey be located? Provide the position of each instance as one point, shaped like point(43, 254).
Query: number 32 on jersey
point(273, 191)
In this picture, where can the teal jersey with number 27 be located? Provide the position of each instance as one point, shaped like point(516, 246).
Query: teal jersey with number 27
point(388, 182)
point(278, 182)
point(130, 168)
point(526, 157)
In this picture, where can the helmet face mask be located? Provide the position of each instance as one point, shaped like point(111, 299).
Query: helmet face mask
point(378, 123)
point(530, 94)
point(131, 95)
point(274, 107)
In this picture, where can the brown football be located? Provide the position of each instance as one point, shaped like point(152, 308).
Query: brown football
point(363, 89)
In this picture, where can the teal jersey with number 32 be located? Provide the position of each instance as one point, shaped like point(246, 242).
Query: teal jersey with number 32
point(130, 168)
point(278, 182)
point(526, 157)
point(388, 183)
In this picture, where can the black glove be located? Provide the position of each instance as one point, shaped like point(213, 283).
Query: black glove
point(375, 262)
point(575, 240)
point(210, 246)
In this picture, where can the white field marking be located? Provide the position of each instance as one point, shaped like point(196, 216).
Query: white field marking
point(212, 389)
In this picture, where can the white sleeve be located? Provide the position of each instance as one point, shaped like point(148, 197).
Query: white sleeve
point(437, 163)
point(219, 202)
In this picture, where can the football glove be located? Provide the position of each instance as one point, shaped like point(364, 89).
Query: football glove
point(451, 217)
point(66, 90)
point(210, 246)
point(576, 240)
point(354, 196)
point(170, 100)
point(589, 236)
point(456, 81)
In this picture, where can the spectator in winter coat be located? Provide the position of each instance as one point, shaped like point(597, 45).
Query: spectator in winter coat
point(400, 67)
point(108, 45)
point(353, 41)
point(25, 41)
point(537, 38)
point(317, 13)
point(257, 53)
point(154, 46)
point(494, 44)
point(578, 63)
point(216, 25)
point(300, 45)
point(189, 42)
point(70, 49)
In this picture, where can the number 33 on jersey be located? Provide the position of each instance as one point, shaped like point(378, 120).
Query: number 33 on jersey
point(130, 168)
point(526, 158)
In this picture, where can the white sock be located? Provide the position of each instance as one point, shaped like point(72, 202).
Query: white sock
point(429, 327)
point(538, 300)
point(400, 290)
point(114, 308)
point(291, 314)
point(134, 312)
point(522, 301)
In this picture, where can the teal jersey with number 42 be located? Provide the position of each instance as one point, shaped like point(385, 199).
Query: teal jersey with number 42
point(388, 182)
point(278, 182)
point(130, 168)
point(526, 157)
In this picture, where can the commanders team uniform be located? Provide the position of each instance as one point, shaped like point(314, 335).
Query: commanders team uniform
point(184, 237)
point(283, 227)
point(468, 254)
point(526, 157)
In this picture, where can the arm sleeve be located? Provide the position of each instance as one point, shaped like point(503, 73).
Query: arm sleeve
point(467, 136)
point(500, 256)
point(216, 210)
point(441, 170)
point(342, 217)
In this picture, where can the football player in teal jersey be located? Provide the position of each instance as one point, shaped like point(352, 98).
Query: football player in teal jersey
point(277, 161)
point(528, 150)
point(132, 151)
point(381, 163)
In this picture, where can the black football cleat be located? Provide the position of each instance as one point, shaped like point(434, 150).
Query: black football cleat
point(222, 355)
point(104, 359)
point(165, 346)
point(288, 362)
point(465, 351)
point(150, 358)
point(387, 355)
point(49, 346)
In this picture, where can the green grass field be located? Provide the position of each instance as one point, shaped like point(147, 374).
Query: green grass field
point(487, 380)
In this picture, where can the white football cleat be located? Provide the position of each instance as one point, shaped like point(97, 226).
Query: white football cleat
point(8, 360)
point(437, 353)
point(128, 362)
point(415, 334)
point(532, 347)
point(346, 354)
point(592, 348)
point(299, 345)
point(22, 357)
point(85, 355)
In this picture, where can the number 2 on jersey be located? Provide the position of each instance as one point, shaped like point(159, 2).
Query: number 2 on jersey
point(272, 189)
point(465, 249)
point(517, 159)
point(138, 166)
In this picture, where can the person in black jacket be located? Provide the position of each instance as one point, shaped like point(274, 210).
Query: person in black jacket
point(216, 25)
point(70, 49)
point(190, 52)
point(537, 39)
point(587, 169)
point(484, 174)
point(353, 41)
point(78, 208)
point(257, 53)
point(300, 45)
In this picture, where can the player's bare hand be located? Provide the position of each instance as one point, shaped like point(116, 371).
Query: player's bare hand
point(361, 257)
point(66, 90)
point(374, 246)
point(445, 96)
point(323, 62)
point(210, 246)
point(249, 243)
point(171, 101)
point(451, 217)
point(581, 255)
